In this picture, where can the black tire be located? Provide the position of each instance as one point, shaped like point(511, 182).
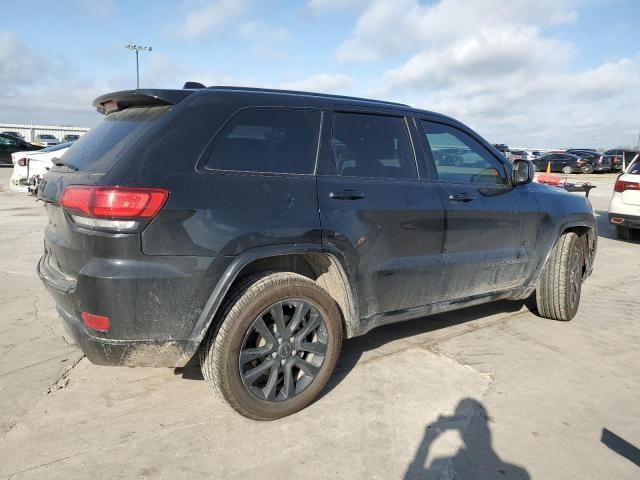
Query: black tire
point(251, 300)
point(567, 170)
point(588, 168)
point(560, 285)
point(623, 233)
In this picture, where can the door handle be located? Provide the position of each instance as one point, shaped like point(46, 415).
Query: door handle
point(348, 194)
point(461, 197)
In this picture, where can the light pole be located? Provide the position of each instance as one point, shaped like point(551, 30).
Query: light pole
point(137, 49)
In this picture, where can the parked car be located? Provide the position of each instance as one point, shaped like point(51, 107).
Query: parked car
point(70, 137)
point(563, 162)
point(624, 209)
point(616, 156)
point(46, 140)
point(536, 154)
point(518, 155)
point(502, 148)
point(575, 150)
point(10, 144)
point(14, 134)
point(28, 167)
point(306, 219)
point(600, 162)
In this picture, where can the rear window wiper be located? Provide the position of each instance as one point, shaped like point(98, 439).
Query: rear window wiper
point(61, 163)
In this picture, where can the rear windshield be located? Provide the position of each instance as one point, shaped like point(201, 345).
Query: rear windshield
point(100, 148)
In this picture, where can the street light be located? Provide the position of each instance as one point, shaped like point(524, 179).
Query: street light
point(137, 49)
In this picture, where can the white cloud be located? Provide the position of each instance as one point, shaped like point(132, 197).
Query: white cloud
point(322, 82)
point(265, 40)
point(495, 66)
point(319, 6)
point(203, 19)
point(19, 64)
point(391, 28)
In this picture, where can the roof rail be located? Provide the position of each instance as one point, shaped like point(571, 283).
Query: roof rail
point(297, 92)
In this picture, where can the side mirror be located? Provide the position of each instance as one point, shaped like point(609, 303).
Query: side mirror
point(523, 172)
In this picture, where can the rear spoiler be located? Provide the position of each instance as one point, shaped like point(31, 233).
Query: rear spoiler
point(116, 101)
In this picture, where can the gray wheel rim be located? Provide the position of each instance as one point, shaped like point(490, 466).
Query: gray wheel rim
point(575, 275)
point(283, 350)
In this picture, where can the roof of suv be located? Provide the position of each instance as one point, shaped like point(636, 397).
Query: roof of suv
point(114, 101)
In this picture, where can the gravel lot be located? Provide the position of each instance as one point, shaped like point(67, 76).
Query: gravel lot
point(487, 392)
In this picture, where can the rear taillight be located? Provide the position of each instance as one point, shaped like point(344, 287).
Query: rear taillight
point(620, 186)
point(96, 322)
point(115, 208)
point(23, 162)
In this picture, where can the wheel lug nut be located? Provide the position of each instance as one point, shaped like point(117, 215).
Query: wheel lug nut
point(279, 340)
point(274, 354)
point(294, 352)
point(282, 362)
point(291, 339)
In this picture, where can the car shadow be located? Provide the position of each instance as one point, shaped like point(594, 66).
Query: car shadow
point(475, 459)
point(354, 348)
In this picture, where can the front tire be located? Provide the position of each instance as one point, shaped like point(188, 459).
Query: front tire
point(276, 345)
point(560, 285)
point(567, 170)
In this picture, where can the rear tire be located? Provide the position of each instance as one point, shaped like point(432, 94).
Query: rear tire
point(588, 168)
point(248, 340)
point(567, 170)
point(560, 285)
point(625, 233)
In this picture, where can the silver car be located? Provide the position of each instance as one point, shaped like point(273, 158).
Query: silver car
point(46, 139)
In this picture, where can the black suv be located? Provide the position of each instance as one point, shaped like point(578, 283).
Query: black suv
point(259, 228)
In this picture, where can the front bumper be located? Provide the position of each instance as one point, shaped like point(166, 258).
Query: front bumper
point(629, 221)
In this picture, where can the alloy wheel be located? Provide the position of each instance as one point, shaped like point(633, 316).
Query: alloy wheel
point(283, 350)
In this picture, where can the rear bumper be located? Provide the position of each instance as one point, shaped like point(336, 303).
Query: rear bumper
point(629, 221)
point(152, 316)
point(127, 353)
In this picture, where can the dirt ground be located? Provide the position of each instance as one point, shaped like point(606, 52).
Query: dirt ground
point(487, 392)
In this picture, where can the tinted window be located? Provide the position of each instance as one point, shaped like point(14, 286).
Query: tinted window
point(372, 146)
point(263, 140)
point(99, 149)
point(9, 140)
point(460, 158)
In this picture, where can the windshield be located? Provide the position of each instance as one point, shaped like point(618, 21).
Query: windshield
point(47, 137)
point(100, 148)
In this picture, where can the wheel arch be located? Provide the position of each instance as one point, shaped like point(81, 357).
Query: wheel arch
point(584, 229)
point(327, 268)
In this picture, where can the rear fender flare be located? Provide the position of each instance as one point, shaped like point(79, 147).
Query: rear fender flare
point(230, 275)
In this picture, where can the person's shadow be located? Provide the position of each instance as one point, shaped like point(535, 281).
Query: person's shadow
point(475, 460)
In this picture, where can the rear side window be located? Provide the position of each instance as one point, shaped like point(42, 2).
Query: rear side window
point(367, 145)
point(101, 147)
point(268, 141)
point(460, 158)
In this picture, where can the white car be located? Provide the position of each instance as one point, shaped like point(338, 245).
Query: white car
point(624, 210)
point(30, 165)
point(46, 139)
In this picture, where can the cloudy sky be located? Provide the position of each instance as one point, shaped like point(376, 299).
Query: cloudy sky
point(547, 73)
